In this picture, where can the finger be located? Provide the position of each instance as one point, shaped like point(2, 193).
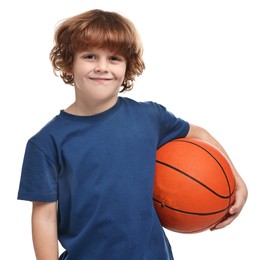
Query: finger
point(225, 222)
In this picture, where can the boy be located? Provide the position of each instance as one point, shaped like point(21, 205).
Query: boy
point(89, 171)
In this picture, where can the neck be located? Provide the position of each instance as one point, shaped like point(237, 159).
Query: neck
point(91, 108)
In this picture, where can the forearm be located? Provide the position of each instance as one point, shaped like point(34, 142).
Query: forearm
point(44, 234)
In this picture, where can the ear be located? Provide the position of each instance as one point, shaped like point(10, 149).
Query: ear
point(68, 70)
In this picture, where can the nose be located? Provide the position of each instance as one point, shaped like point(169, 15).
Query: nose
point(101, 66)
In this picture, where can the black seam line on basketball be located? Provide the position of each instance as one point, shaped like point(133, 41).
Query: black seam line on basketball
point(231, 192)
point(189, 212)
point(204, 185)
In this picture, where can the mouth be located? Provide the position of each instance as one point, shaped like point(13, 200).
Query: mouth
point(100, 79)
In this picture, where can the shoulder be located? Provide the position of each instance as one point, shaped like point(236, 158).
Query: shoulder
point(46, 129)
point(44, 139)
point(143, 105)
point(149, 109)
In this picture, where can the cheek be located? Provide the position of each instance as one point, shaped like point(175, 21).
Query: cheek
point(122, 72)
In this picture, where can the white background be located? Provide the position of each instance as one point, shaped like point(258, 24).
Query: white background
point(205, 61)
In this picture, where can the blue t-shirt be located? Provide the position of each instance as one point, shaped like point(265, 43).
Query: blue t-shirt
point(100, 169)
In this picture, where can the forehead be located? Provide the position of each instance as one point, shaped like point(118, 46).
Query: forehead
point(99, 51)
point(115, 44)
point(110, 34)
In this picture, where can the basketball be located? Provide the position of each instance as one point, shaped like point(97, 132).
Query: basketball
point(194, 185)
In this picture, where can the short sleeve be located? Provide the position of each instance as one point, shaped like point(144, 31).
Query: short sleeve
point(172, 127)
point(38, 177)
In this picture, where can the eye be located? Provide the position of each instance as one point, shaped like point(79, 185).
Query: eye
point(89, 56)
point(116, 58)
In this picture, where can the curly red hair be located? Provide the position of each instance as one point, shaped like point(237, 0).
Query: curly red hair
point(100, 29)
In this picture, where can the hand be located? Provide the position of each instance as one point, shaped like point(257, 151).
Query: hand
point(234, 211)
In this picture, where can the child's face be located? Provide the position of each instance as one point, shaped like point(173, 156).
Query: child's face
point(98, 74)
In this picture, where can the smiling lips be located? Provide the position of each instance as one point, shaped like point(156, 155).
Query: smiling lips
point(100, 79)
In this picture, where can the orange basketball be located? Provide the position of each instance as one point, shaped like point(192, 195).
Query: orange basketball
point(194, 186)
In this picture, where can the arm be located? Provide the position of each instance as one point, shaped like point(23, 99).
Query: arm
point(44, 230)
point(241, 188)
